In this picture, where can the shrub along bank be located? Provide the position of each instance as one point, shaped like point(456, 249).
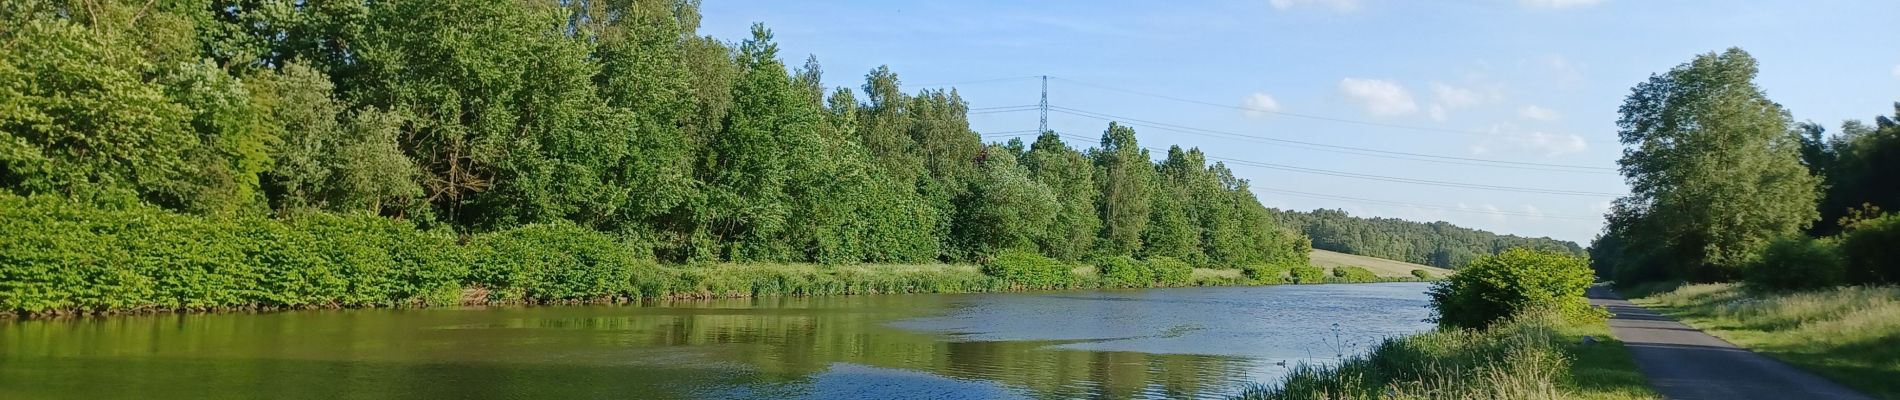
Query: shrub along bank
point(1496, 341)
point(59, 257)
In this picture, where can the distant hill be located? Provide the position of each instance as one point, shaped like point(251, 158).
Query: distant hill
point(1438, 244)
point(1379, 266)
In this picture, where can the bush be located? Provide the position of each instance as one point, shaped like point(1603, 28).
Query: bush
point(388, 262)
point(61, 257)
point(554, 262)
point(1352, 274)
point(1028, 269)
point(1123, 271)
point(1493, 288)
point(1796, 263)
point(1872, 251)
point(1421, 274)
point(1169, 271)
point(1307, 274)
point(1265, 273)
point(1522, 359)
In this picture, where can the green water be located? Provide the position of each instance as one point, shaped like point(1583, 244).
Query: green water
point(1161, 343)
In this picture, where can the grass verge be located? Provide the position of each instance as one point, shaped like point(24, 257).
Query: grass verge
point(1848, 334)
point(1537, 355)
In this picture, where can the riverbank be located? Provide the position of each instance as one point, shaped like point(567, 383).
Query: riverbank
point(641, 281)
point(58, 259)
point(1848, 334)
point(1537, 355)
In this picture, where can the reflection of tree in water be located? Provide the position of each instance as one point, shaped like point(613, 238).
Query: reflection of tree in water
point(746, 348)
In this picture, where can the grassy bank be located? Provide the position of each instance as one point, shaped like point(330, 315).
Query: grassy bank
point(59, 258)
point(1537, 355)
point(1848, 334)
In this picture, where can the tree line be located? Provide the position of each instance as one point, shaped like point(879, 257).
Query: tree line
point(1439, 244)
point(1726, 186)
point(614, 116)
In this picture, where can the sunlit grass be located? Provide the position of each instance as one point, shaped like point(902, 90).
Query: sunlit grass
point(1535, 356)
point(1849, 334)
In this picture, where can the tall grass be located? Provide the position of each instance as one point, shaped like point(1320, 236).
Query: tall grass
point(1536, 355)
point(1850, 334)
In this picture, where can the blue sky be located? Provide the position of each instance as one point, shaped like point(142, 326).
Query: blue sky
point(1534, 83)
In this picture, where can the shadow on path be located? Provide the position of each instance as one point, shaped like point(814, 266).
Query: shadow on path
point(1685, 363)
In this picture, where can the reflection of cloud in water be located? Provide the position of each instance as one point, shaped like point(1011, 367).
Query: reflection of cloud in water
point(1277, 322)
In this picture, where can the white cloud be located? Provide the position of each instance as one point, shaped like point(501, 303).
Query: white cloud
point(1381, 98)
point(1558, 4)
point(1447, 98)
point(1896, 71)
point(1455, 97)
point(1505, 139)
point(1335, 5)
point(1259, 104)
point(1533, 112)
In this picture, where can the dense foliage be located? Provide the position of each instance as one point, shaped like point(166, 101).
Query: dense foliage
point(1354, 274)
point(1494, 288)
point(1306, 274)
point(557, 138)
point(1723, 180)
point(1029, 269)
point(1797, 262)
point(1872, 251)
point(1439, 244)
point(60, 257)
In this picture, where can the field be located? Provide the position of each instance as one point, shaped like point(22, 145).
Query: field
point(1379, 266)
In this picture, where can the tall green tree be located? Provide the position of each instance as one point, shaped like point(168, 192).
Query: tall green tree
point(1861, 175)
point(1004, 208)
point(1175, 199)
point(1125, 178)
point(1071, 176)
point(1709, 159)
point(329, 158)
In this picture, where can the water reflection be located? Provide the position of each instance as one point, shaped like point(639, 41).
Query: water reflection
point(1173, 343)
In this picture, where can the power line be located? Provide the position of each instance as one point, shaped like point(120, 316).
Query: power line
point(1276, 112)
point(1429, 207)
point(1346, 149)
point(1426, 182)
point(1008, 110)
point(1414, 181)
point(1003, 107)
point(1373, 201)
point(1007, 133)
point(972, 82)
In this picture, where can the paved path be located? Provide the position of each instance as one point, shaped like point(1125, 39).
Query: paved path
point(1684, 363)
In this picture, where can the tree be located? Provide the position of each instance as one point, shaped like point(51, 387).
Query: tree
point(1124, 176)
point(327, 158)
point(1439, 243)
point(1070, 175)
point(1004, 209)
point(1710, 160)
point(745, 171)
point(1861, 176)
point(1172, 230)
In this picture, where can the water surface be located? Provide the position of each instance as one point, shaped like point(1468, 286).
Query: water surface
point(1159, 343)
